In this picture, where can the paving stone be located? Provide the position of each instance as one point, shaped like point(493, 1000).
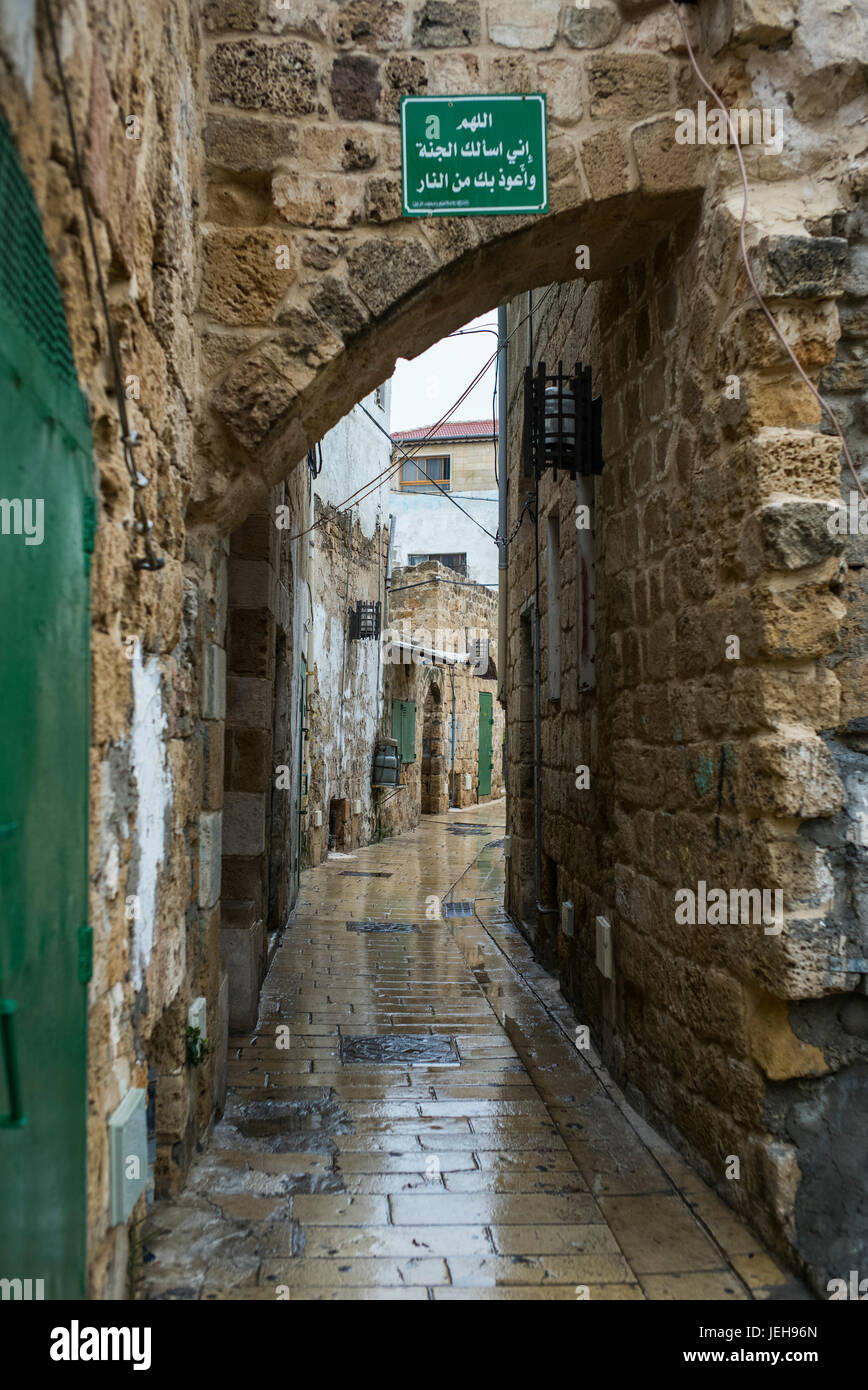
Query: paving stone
point(511, 1174)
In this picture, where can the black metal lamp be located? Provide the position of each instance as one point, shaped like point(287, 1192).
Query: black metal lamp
point(365, 620)
point(563, 422)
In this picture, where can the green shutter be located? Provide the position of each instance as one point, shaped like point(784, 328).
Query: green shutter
point(409, 753)
point(45, 940)
point(397, 717)
point(404, 729)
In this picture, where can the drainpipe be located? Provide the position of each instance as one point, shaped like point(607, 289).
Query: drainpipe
point(502, 555)
point(346, 626)
point(537, 699)
point(452, 743)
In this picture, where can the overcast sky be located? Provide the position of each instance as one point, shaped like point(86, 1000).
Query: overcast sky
point(426, 387)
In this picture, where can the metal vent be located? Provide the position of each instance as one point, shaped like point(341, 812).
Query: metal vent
point(371, 926)
point(402, 1050)
point(362, 873)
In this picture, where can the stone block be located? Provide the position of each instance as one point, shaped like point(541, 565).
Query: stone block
point(210, 851)
point(630, 85)
point(665, 166)
point(212, 740)
point(447, 24)
point(241, 280)
point(244, 823)
point(796, 533)
point(218, 1037)
point(213, 682)
point(383, 271)
point(251, 584)
point(245, 144)
point(515, 24)
point(608, 167)
point(242, 941)
point(591, 26)
point(257, 76)
point(355, 87)
point(800, 267)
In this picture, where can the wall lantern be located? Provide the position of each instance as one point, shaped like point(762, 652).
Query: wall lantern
point(365, 620)
point(387, 764)
point(563, 422)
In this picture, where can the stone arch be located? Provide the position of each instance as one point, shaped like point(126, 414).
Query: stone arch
point(302, 152)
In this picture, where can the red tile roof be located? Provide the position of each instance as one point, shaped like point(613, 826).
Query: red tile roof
point(453, 429)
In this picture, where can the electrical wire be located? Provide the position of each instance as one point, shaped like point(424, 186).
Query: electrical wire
point(822, 402)
point(444, 491)
point(366, 488)
point(129, 438)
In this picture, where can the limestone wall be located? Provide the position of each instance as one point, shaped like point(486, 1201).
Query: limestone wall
point(435, 612)
point(711, 745)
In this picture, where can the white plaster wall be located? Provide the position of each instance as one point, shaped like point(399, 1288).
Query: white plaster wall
point(430, 525)
point(354, 453)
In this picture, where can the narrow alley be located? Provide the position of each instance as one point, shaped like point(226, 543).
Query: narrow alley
point(411, 1118)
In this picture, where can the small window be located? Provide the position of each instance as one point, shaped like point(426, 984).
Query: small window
point(380, 396)
point(421, 474)
point(404, 729)
point(456, 562)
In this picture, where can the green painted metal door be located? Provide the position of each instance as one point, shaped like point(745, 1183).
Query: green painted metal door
point(46, 529)
point(486, 724)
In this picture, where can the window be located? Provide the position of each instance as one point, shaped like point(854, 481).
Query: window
point(416, 474)
point(553, 604)
point(404, 729)
point(380, 396)
point(456, 562)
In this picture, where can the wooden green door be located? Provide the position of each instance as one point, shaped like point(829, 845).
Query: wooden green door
point(46, 528)
point(486, 723)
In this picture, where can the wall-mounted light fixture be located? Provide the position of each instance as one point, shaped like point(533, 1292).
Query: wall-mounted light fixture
point(563, 422)
point(365, 620)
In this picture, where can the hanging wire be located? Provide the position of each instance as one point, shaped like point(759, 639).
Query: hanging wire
point(130, 438)
point(361, 492)
point(821, 400)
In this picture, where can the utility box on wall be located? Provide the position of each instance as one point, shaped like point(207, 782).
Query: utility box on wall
point(128, 1153)
point(604, 949)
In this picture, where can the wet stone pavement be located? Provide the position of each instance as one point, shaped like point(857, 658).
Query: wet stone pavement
point(430, 1131)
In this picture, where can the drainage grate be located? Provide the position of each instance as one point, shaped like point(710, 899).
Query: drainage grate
point(460, 909)
point(369, 925)
point(469, 829)
point(402, 1050)
point(362, 873)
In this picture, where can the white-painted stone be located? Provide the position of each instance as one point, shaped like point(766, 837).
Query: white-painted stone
point(154, 787)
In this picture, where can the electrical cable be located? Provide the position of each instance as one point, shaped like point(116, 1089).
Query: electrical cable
point(130, 439)
point(362, 491)
point(822, 402)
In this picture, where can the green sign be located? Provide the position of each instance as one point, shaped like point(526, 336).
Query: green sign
point(474, 155)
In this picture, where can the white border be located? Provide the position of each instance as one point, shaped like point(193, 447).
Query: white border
point(475, 211)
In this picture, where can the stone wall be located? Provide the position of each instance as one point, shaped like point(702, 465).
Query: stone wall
point(346, 687)
point(434, 611)
point(708, 746)
point(242, 166)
